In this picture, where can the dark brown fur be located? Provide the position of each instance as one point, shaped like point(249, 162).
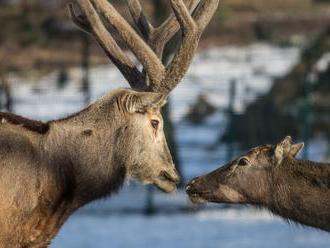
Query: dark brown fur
point(31, 125)
point(270, 176)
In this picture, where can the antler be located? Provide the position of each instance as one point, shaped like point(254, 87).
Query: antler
point(157, 38)
point(91, 23)
point(149, 51)
point(192, 28)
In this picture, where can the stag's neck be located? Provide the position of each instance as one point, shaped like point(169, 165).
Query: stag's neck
point(300, 191)
point(87, 146)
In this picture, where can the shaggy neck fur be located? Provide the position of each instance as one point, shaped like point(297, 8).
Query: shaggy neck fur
point(88, 145)
point(300, 191)
point(60, 166)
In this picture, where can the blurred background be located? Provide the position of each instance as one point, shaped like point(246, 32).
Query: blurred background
point(262, 72)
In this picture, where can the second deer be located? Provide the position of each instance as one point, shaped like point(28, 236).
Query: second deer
point(271, 177)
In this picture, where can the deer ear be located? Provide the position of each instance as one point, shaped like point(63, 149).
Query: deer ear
point(141, 102)
point(295, 149)
point(283, 149)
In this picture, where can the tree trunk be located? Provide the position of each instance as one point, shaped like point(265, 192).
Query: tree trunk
point(161, 11)
point(7, 103)
point(85, 66)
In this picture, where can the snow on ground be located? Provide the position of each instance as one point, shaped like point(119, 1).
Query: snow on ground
point(202, 230)
point(118, 222)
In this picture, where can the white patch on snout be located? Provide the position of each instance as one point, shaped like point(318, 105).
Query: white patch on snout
point(231, 194)
point(3, 121)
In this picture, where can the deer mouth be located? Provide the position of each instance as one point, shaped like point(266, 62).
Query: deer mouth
point(223, 194)
point(166, 183)
point(196, 196)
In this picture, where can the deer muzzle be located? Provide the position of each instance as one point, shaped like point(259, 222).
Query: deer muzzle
point(195, 190)
point(167, 180)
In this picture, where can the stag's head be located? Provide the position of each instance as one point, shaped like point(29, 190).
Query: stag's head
point(247, 178)
point(142, 139)
point(139, 141)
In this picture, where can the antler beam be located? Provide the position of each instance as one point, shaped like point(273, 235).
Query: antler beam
point(151, 63)
point(192, 28)
point(192, 16)
point(158, 37)
point(91, 23)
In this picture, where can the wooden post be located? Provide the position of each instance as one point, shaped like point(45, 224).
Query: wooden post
point(307, 113)
point(5, 89)
point(230, 114)
point(161, 9)
point(85, 66)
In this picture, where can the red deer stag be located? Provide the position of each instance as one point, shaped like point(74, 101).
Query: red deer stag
point(271, 177)
point(49, 170)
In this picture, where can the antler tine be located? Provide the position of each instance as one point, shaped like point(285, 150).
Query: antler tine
point(90, 22)
point(205, 12)
point(158, 37)
point(192, 29)
point(149, 60)
point(141, 21)
point(170, 27)
point(79, 20)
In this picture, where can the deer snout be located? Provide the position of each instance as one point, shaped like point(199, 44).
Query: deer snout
point(167, 180)
point(192, 186)
point(195, 190)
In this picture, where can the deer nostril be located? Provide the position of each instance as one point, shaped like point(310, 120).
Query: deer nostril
point(190, 189)
point(191, 186)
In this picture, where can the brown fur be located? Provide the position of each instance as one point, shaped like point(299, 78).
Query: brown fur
point(46, 176)
point(270, 176)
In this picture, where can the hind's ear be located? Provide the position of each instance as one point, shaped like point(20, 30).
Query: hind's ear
point(282, 149)
point(141, 102)
point(295, 149)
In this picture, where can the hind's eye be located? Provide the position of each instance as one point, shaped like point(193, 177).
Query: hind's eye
point(243, 162)
point(155, 124)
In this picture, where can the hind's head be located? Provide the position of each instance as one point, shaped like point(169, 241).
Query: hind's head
point(247, 178)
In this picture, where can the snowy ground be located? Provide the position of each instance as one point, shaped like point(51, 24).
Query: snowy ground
point(223, 229)
point(119, 222)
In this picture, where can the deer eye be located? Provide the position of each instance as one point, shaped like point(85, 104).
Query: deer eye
point(243, 162)
point(155, 124)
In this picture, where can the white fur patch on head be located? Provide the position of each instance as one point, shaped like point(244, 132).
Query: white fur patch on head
point(3, 121)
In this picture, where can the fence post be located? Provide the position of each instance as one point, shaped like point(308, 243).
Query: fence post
point(230, 115)
point(308, 80)
point(149, 207)
point(5, 92)
point(85, 66)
